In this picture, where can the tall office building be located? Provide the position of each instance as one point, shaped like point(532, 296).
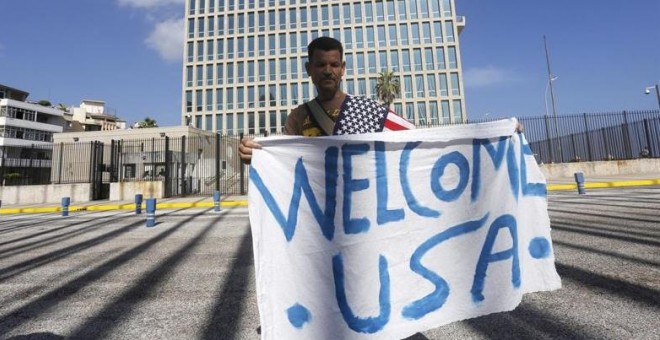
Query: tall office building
point(244, 60)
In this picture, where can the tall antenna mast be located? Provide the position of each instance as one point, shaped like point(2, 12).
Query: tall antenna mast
point(552, 97)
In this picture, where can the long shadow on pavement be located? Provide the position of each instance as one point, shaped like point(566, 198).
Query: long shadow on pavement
point(59, 254)
point(4, 253)
point(224, 322)
point(605, 227)
point(628, 216)
point(567, 228)
point(606, 253)
point(100, 325)
point(526, 322)
point(631, 291)
point(42, 305)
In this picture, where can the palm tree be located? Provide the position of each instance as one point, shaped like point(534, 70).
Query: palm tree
point(147, 123)
point(388, 87)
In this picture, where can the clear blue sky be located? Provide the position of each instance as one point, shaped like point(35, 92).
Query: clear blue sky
point(127, 53)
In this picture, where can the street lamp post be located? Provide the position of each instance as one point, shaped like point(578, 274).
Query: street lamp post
point(657, 92)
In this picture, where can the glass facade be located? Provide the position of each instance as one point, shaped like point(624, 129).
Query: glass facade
point(244, 60)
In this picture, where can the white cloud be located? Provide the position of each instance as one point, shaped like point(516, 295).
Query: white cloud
point(167, 39)
point(486, 76)
point(149, 3)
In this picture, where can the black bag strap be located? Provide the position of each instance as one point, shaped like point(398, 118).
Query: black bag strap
point(321, 116)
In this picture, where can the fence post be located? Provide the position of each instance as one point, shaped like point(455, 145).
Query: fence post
point(548, 140)
point(217, 161)
point(606, 144)
point(647, 132)
point(576, 157)
point(168, 164)
point(182, 178)
point(3, 164)
point(586, 133)
point(216, 200)
point(242, 168)
point(626, 136)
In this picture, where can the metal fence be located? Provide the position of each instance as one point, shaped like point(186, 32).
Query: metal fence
point(199, 165)
point(594, 137)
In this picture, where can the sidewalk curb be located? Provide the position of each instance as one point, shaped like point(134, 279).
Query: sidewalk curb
point(601, 185)
point(244, 203)
point(109, 207)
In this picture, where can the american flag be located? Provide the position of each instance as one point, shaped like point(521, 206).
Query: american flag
point(364, 115)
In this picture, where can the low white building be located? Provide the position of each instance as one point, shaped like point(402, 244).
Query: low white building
point(92, 115)
point(26, 136)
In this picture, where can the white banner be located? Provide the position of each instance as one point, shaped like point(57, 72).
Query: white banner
point(380, 236)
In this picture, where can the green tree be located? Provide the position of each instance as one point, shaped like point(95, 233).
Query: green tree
point(388, 87)
point(147, 123)
point(44, 102)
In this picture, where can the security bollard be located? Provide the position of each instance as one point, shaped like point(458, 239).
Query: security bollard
point(579, 178)
point(216, 200)
point(151, 212)
point(66, 201)
point(138, 204)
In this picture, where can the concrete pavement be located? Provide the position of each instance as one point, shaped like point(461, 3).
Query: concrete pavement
point(104, 275)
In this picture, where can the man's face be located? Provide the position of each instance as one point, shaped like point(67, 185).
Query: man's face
point(326, 69)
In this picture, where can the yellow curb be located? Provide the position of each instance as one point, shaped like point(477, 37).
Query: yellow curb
point(601, 185)
point(108, 207)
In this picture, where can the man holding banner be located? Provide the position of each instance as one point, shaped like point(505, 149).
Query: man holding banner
point(398, 232)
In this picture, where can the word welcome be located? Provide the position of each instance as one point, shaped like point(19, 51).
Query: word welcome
point(325, 217)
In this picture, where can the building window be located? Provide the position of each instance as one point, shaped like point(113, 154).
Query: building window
point(402, 9)
point(417, 53)
point(406, 60)
point(419, 82)
point(199, 100)
point(458, 111)
point(455, 85)
point(421, 113)
point(410, 112)
point(407, 86)
point(443, 85)
point(209, 74)
point(440, 58)
point(191, 28)
point(189, 101)
point(200, 75)
point(372, 62)
point(357, 12)
point(403, 29)
point(433, 113)
point(189, 76)
point(452, 57)
point(428, 59)
point(449, 31)
point(368, 12)
point(431, 85)
point(209, 50)
point(445, 112)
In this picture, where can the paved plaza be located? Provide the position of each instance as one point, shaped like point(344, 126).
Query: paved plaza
point(97, 275)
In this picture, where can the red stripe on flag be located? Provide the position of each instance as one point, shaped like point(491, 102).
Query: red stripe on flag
point(395, 122)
